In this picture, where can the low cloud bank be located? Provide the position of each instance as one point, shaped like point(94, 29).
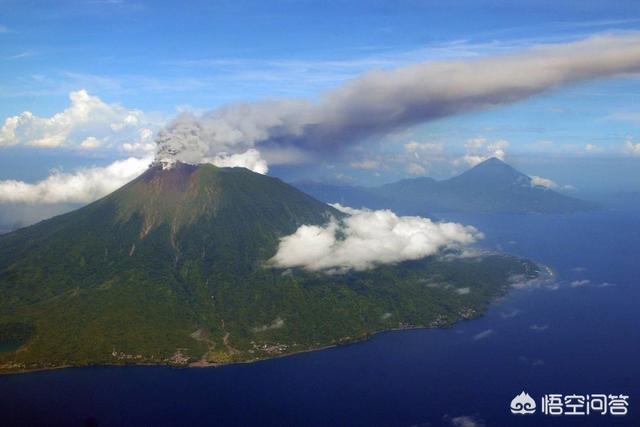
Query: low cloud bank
point(539, 181)
point(89, 184)
point(631, 147)
point(367, 238)
point(82, 186)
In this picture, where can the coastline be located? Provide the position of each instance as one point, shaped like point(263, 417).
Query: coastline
point(199, 364)
point(545, 275)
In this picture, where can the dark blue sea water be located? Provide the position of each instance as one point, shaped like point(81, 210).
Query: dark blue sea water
point(580, 338)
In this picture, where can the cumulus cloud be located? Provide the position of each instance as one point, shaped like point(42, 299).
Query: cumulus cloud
point(367, 238)
point(82, 186)
point(418, 158)
point(143, 145)
point(428, 149)
point(88, 123)
point(91, 143)
point(479, 149)
point(543, 182)
point(385, 100)
point(631, 147)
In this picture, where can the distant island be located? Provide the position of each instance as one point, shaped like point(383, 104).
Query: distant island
point(489, 187)
point(172, 269)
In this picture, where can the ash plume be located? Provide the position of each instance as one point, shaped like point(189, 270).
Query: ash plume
point(382, 101)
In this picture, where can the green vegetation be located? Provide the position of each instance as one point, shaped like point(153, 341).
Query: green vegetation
point(171, 269)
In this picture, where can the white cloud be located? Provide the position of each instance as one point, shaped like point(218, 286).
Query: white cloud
point(82, 186)
point(91, 143)
point(86, 121)
point(428, 148)
point(606, 285)
point(366, 238)
point(479, 149)
point(538, 181)
point(416, 169)
point(143, 146)
point(419, 157)
point(591, 147)
point(631, 147)
point(366, 164)
point(250, 159)
point(579, 283)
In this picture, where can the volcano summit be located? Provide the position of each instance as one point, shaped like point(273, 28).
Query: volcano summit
point(174, 268)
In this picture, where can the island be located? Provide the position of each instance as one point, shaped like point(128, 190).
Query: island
point(172, 269)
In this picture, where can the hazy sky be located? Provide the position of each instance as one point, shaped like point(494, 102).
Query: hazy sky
point(86, 83)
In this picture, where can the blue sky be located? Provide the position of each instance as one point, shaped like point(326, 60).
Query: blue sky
point(161, 58)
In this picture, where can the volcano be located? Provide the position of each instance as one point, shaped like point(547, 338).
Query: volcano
point(492, 186)
point(173, 268)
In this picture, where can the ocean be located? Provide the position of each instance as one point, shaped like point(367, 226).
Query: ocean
point(579, 335)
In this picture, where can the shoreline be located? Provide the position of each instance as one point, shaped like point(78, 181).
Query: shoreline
point(546, 274)
point(208, 365)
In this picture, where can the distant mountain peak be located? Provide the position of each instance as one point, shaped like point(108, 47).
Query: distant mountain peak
point(493, 163)
point(492, 172)
point(492, 160)
point(490, 186)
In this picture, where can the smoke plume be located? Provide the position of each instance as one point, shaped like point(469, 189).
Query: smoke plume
point(384, 100)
